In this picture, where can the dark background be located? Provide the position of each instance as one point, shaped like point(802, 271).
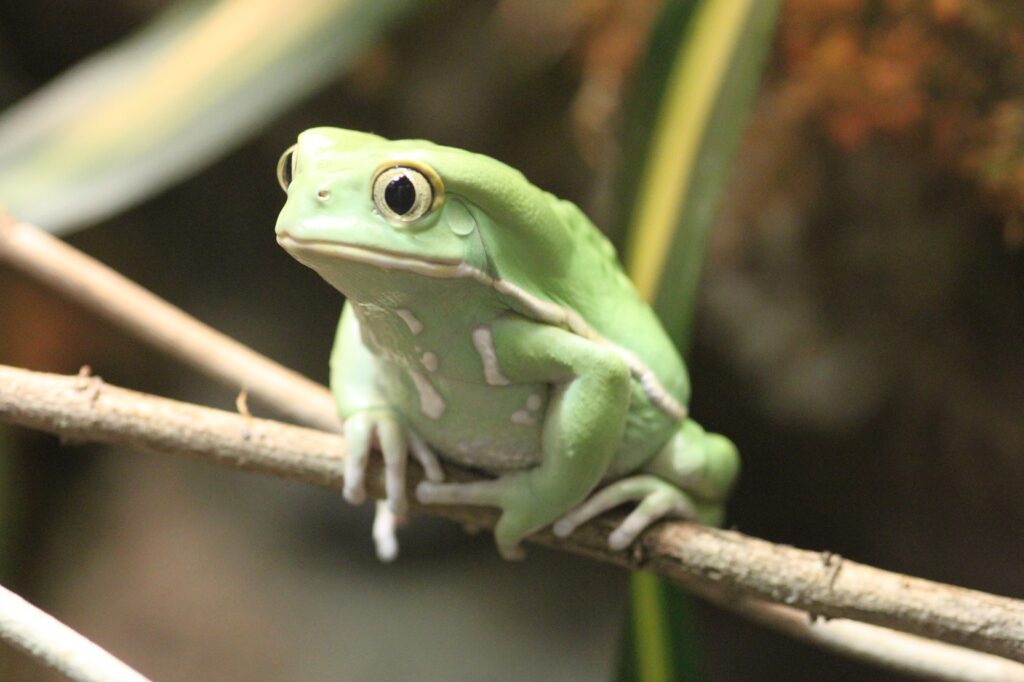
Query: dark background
point(859, 336)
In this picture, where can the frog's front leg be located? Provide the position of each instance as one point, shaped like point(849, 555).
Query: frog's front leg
point(368, 419)
point(582, 428)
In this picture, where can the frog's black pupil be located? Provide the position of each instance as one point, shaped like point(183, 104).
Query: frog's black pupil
point(400, 195)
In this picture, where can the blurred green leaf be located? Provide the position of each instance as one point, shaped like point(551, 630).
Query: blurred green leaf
point(673, 629)
point(691, 103)
point(180, 93)
point(701, 76)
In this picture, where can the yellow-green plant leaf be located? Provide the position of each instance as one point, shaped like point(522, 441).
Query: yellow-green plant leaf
point(696, 125)
point(172, 98)
point(701, 73)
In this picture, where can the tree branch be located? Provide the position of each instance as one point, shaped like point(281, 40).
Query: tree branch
point(725, 566)
point(123, 302)
point(897, 651)
point(47, 639)
point(83, 279)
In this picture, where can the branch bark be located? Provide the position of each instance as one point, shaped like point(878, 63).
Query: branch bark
point(154, 320)
point(725, 566)
point(116, 298)
point(897, 651)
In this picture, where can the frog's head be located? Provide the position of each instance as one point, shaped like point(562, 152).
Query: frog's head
point(411, 205)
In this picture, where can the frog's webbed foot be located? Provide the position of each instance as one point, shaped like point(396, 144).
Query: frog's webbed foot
point(688, 478)
point(508, 493)
point(396, 443)
point(657, 499)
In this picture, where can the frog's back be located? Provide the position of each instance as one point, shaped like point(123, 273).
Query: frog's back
point(611, 305)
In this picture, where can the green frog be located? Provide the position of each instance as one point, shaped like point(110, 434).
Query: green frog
point(489, 323)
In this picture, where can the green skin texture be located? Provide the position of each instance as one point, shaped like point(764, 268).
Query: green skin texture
point(500, 332)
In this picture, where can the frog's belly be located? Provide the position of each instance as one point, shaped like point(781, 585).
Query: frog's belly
point(495, 428)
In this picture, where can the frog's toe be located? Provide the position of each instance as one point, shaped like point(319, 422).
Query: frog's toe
point(426, 457)
point(513, 552)
point(478, 493)
point(360, 430)
point(385, 539)
point(358, 437)
point(509, 532)
point(626, 490)
point(657, 499)
point(655, 506)
point(395, 450)
point(520, 512)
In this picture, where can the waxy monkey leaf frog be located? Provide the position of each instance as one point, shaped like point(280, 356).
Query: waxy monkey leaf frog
point(488, 323)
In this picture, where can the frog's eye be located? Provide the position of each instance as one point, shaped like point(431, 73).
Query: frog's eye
point(404, 194)
point(286, 168)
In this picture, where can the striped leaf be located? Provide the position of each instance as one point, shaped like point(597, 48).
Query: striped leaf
point(171, 99)
point(692, 99)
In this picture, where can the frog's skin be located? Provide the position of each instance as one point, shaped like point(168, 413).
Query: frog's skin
point(490, 323)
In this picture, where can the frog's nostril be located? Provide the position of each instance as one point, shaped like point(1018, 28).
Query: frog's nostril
point(323, 194)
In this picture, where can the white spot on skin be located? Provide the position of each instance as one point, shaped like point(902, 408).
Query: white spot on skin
point(431, 403)
point(483, 341)
point(487, 454)
point(533, 307)
point(429, 361)
point(523, 418)
point(414, 325)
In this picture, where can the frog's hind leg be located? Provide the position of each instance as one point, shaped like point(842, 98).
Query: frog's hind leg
point(689, 478)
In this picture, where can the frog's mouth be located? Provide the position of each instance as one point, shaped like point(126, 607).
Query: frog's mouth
point(304, 249)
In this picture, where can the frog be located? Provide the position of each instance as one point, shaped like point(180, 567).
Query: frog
point(489, 324)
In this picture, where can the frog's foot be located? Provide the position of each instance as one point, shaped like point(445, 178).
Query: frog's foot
point(475, 493)
point(425, 456)
point(395, 442)
point(385, 540)
point(657, 499)
point(689, 478)
point(360, 431)
point(521, 513)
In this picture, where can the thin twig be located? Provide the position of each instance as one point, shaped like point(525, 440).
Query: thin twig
point(117, 298)
point(48, 640)
point(897, 651)
point(724, 565)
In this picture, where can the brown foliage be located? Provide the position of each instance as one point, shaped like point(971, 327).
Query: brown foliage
point(948, 74)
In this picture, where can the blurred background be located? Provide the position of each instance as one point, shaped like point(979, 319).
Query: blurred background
point(859, 331)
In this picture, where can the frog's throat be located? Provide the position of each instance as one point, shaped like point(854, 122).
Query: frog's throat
point(523, 302)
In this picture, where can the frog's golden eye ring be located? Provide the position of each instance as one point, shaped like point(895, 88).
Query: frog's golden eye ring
point(286, 168)
point(404, 192)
